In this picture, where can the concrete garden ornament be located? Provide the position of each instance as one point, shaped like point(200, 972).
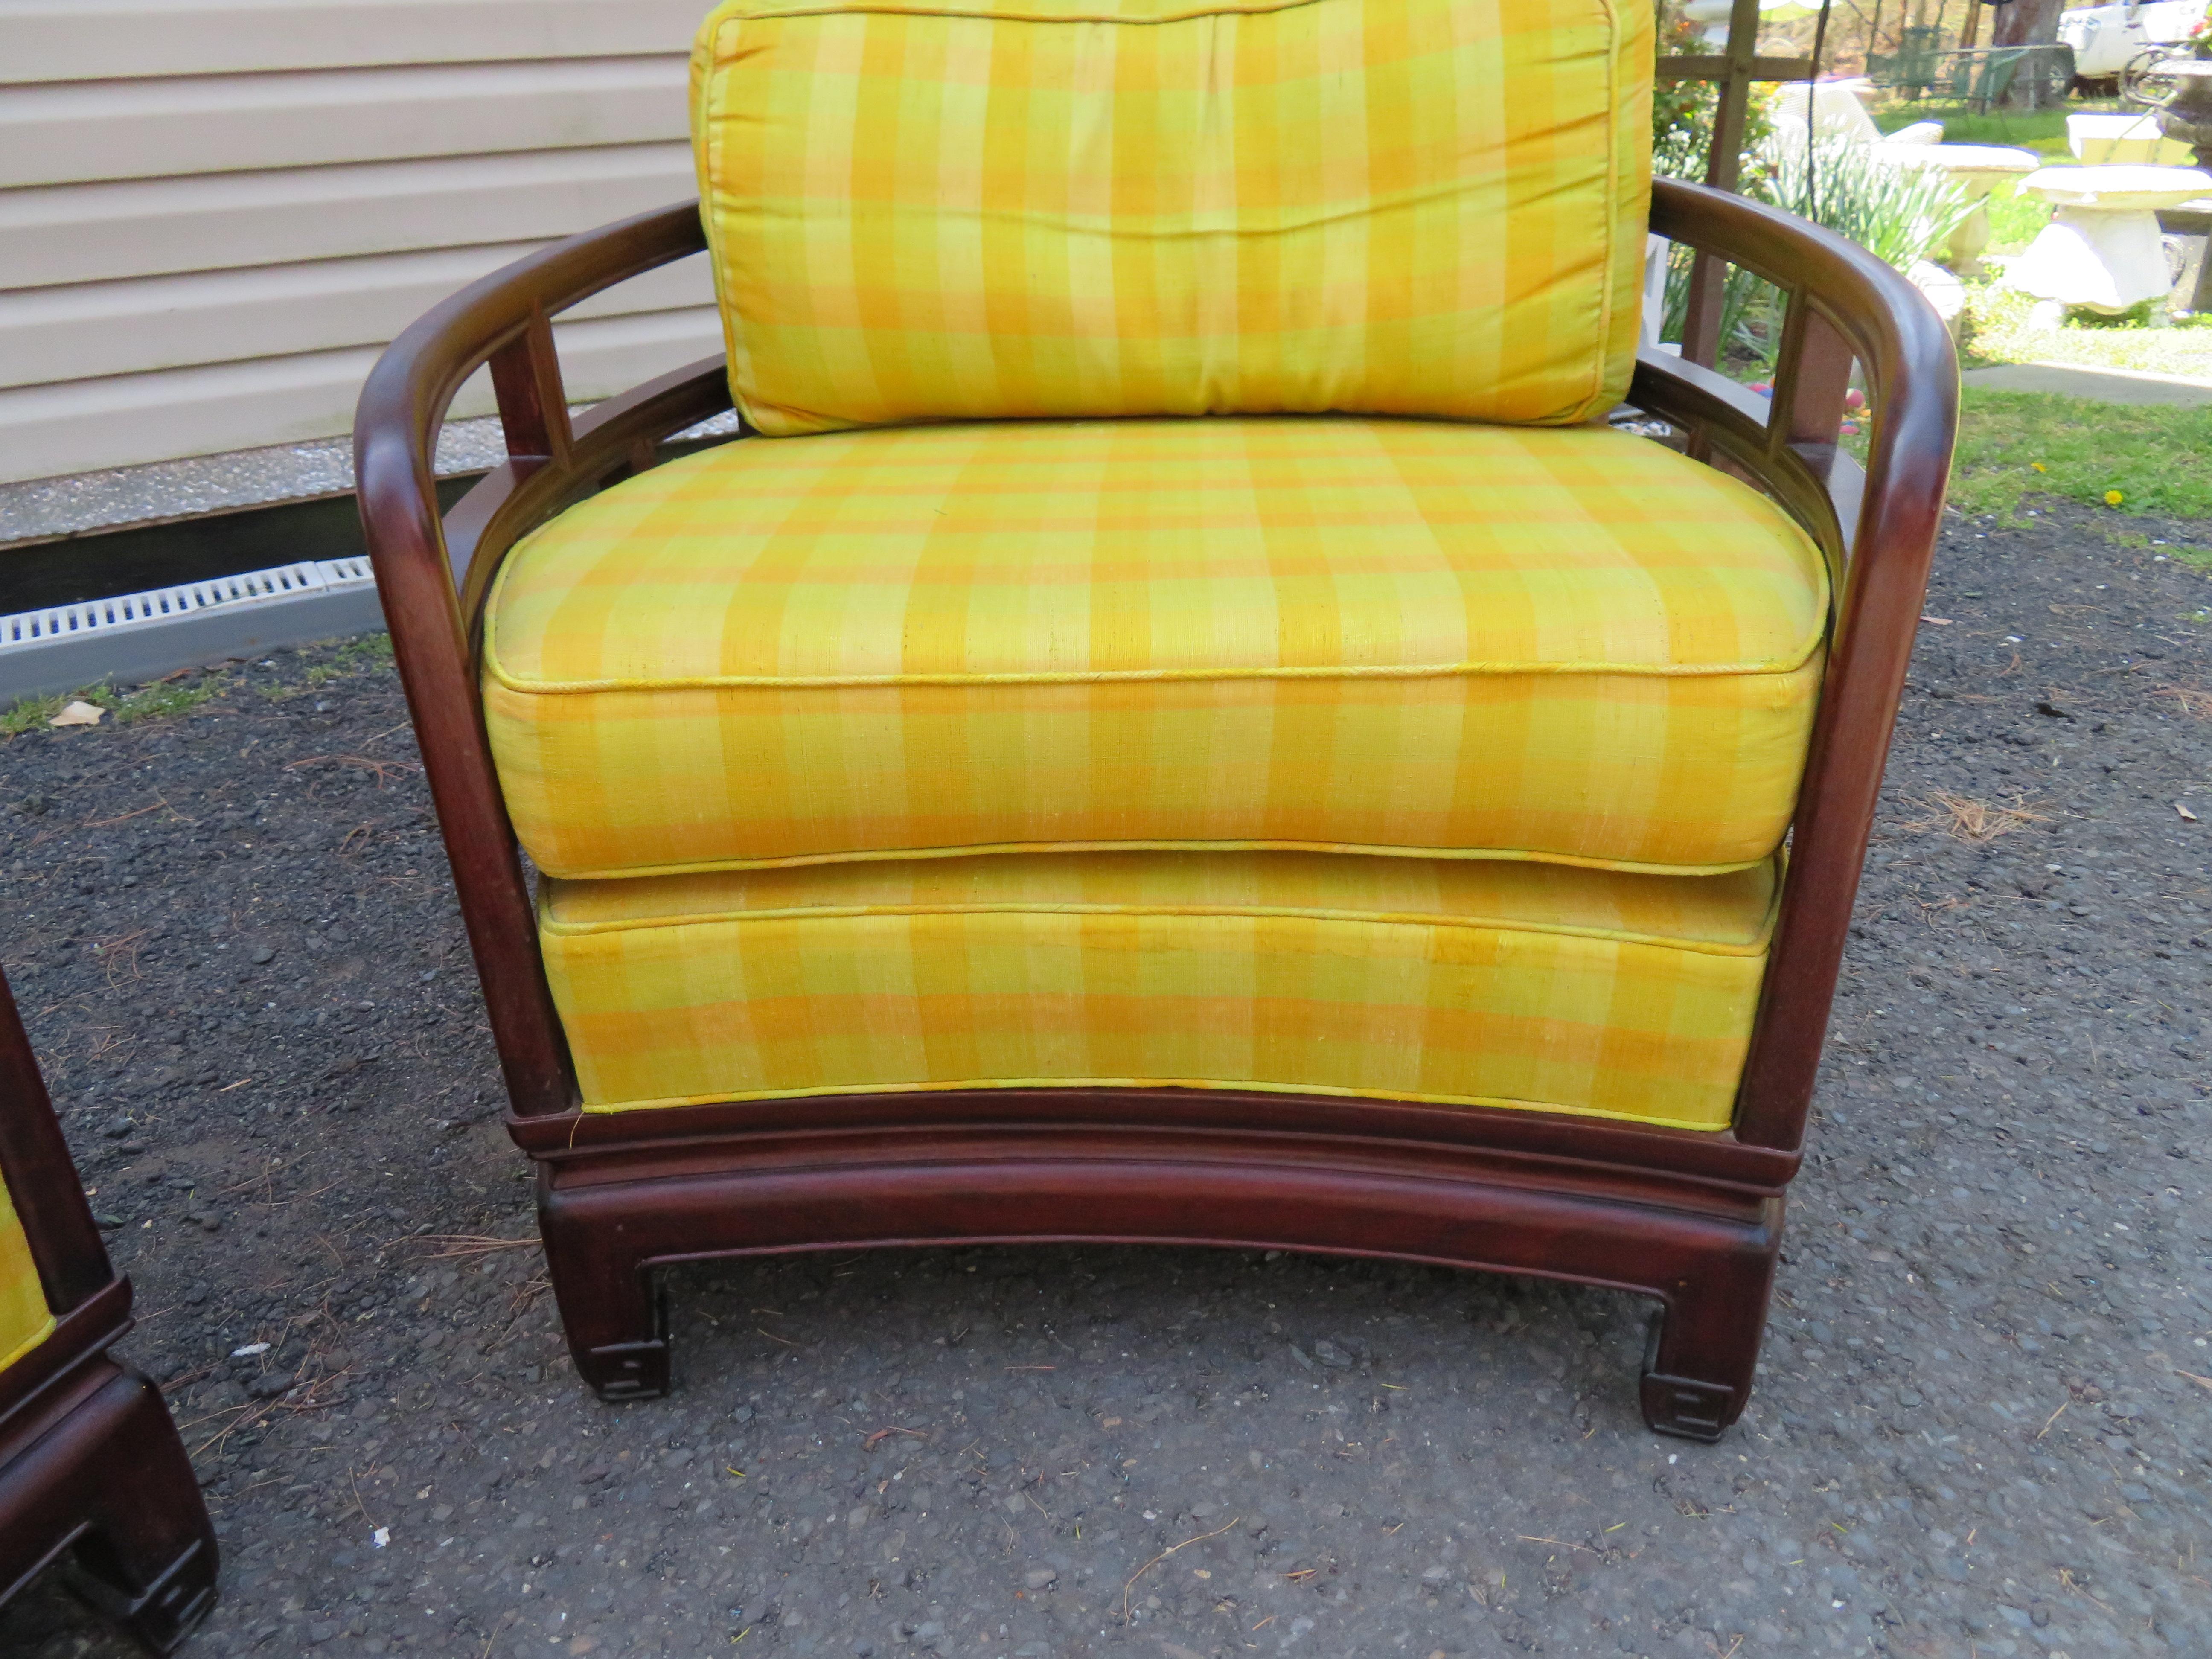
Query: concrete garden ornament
point(1176, 719)
point(2103, 250)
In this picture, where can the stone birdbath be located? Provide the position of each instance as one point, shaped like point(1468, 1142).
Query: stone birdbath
point(2102, 249)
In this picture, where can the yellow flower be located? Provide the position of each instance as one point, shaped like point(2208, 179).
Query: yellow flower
point(2038, 466)
point(2114, 498)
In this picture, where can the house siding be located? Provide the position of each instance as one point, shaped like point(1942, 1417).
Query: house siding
point(212, 216)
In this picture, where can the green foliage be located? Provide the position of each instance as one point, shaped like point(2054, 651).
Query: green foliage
point(1751, 314)
point(2013, 444)
point(1897, 213)
point(367, 651)
point(1682, 111)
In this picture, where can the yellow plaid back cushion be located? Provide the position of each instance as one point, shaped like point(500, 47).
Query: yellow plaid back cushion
point(951, 210)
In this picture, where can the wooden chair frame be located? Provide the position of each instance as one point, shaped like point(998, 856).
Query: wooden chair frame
point(90, 1461)
point(1692, 1219)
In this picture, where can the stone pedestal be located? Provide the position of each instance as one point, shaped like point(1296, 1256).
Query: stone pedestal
point(2103, 250)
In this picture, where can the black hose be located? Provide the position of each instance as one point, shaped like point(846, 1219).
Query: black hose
point(1811, 127)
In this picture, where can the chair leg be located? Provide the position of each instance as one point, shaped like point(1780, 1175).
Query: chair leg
point(1704, 1345)
point(113, 1476)
point(615, 1321)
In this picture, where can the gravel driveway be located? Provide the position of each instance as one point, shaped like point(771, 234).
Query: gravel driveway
point(1983, 1423)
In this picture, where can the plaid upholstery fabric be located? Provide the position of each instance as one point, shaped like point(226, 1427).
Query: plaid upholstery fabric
point(1454, 982)
point(1380, 635)
point(25, 1320)
point(997, 208)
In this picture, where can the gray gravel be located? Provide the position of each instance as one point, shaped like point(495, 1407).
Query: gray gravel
point(1982, 1426)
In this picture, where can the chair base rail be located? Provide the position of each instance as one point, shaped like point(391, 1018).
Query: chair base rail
point(1706, 1252)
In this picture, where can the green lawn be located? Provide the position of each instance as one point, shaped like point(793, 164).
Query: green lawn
point(2016, 217)
point(2157, 457)
point(2042, 130)
point(2004, 333)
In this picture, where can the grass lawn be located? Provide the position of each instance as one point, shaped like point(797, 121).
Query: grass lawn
point(2016, 217)
point(2157, 457)
point(2002, 333)
point(2042, 130)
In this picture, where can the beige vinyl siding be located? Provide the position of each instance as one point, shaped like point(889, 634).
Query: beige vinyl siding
point(212, 216)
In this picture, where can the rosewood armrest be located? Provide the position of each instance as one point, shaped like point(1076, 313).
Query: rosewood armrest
point(1877, 529)
point(433, 576)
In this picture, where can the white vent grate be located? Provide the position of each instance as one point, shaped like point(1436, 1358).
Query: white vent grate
point(168, 604)
point(139, 636)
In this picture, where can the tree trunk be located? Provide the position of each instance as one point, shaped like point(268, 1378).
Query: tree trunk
point(2026, 23)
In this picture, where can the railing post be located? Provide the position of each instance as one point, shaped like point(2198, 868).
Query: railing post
point(1815, 380)
point(533, 410)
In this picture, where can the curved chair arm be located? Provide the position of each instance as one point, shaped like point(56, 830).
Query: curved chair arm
point(1879, 532)
point(432, 583)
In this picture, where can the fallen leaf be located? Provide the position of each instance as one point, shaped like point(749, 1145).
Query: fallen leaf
point(1939, 621)
point(2184, 813)
point(77, 713)
point(2201, 1382)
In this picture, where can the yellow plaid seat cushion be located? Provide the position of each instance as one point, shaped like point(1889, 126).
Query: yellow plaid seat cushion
point(1455, 982)
point(25, 1319)
point(923, 210)
point(1336, 633)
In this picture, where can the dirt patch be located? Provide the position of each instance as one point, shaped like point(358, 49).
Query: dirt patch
point(1982, 1424)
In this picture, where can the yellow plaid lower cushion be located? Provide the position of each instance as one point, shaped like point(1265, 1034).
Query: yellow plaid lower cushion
point(928, 210)
point(25, 1319)
point(1377, 635)
point(1459, 983)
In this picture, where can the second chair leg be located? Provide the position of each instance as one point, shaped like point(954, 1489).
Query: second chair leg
point(113, 1473)
point(1703, 1347)
point(616, 1323)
